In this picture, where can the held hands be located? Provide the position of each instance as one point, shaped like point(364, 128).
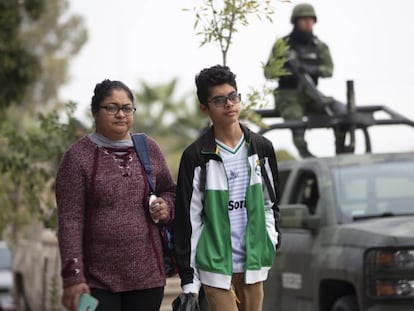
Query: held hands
point(158, 209)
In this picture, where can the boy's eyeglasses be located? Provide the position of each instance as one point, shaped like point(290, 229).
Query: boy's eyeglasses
point(221, 101)
point(113, 109)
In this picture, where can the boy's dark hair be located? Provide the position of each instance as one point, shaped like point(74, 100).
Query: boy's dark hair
point(210, 77)
point(104, 89)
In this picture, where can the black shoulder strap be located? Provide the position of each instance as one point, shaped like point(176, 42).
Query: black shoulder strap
point(267, 182)
point(141, 148)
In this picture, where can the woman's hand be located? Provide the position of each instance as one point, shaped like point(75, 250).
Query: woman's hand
point(159, 210)
point(71, 295)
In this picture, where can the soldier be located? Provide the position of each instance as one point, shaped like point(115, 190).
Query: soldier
point(308, 58)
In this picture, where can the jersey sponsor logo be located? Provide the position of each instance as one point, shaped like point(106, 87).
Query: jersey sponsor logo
point(233, 175)
point(235, 205)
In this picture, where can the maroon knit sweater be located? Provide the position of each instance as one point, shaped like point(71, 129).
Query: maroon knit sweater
point(105, 235)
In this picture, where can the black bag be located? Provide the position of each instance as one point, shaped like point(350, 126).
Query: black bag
point(185, 302)
point(165, 230)
point(170, 263)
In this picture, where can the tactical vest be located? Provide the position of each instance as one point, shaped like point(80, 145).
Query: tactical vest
point(308, 54)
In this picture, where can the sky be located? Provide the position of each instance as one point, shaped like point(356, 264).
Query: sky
point(154, 41)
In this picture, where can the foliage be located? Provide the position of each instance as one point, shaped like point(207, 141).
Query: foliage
point(256, 99)
point(218, 21)
point(35, 47)
point(18, 67)
point(284, 155)
point(173, 123)
point(55, 294)
point(29, 156)
point(274, 67)
point(55, 37)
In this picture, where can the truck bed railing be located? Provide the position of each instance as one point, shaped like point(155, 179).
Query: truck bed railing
point(363, 118)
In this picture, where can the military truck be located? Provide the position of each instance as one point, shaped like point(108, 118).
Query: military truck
point(346, 221)
point(347, 235)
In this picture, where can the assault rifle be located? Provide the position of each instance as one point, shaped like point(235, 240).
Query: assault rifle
point(307, 85)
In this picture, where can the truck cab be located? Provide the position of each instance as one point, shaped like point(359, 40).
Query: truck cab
point(347, 235)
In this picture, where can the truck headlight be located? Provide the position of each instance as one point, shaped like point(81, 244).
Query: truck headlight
point(389, 273)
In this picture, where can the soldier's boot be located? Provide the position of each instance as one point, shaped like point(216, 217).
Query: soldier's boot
point(300, 143)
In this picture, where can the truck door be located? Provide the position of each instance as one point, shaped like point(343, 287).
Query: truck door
point(297, 245)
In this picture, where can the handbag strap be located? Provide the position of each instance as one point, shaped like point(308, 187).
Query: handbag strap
point(141, 147)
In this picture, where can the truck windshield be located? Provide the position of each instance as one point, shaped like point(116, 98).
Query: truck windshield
point(375, 190)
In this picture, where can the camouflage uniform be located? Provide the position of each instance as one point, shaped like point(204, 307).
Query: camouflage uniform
point(314, 58)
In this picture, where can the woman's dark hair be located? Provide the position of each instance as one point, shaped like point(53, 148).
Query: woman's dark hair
point(104, 89)
point(210, 77)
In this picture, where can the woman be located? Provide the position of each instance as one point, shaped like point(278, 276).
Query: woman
point(109, 245)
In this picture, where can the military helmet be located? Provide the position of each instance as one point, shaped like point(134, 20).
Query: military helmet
point(302, 10)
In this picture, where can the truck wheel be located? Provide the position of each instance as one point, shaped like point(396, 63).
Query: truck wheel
point(345, 303)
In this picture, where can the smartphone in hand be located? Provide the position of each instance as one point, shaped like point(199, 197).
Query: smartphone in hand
point(87, 302)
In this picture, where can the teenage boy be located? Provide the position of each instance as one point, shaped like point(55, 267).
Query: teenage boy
point(226, 211)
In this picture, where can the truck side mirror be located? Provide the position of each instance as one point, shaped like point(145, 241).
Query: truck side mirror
point(297, 216)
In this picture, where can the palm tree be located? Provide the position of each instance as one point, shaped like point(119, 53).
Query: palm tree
point(173, 123)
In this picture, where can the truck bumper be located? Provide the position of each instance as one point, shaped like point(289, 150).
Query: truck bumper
point(407, 307)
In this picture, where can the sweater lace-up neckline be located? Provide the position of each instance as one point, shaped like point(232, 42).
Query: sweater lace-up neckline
point(122, 157)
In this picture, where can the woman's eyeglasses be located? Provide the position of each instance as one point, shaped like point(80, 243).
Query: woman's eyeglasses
point(113, 109)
